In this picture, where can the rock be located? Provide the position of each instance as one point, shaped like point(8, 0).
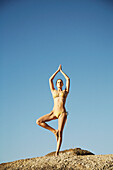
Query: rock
point(76, 151)
point(68, 159)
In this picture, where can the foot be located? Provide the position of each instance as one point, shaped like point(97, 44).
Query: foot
point(56, 134)
point(56, 154)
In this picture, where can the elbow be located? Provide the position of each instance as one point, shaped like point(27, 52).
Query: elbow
point(68, 80)
point(49, 79)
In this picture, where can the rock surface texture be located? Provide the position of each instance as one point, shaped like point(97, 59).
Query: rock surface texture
point(72, 159)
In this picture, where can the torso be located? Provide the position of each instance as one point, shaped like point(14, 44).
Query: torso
point(59, 100)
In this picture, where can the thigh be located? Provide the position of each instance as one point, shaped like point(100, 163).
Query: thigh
point(47, 117)
point(61, 121)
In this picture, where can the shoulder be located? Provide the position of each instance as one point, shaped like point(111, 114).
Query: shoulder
point(53, 91)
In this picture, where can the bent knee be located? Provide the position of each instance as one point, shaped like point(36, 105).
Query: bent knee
point(38, 121)
point(60, 133)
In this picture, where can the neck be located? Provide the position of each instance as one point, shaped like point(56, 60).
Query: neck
point(59, 88)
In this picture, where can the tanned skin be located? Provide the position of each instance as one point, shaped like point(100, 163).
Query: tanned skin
point(59, 106)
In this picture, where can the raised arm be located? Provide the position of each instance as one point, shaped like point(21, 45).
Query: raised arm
point(67, 80)
point(51, 79)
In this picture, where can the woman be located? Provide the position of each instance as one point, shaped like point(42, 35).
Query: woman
point(59, 111)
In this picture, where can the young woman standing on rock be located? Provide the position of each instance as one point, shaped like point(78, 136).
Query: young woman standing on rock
point(59, 111)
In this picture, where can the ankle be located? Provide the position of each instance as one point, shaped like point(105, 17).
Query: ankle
point(57, 153)
point(54, 131)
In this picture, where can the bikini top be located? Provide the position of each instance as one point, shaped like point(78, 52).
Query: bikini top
point(61, 94)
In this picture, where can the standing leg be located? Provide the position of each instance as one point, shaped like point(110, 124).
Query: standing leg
point(61, 122)
point(48, 117)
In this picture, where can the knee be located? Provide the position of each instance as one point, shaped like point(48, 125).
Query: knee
point(60, 133)
point(38, 122)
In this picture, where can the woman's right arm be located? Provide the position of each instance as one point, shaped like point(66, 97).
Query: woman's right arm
point(51, 79)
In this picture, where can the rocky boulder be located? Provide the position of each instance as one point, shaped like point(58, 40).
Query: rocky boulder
point(68, 159)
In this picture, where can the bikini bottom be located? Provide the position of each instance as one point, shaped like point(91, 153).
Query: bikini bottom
point(59, 113)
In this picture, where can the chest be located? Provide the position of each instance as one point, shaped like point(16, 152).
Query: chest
point(59, 94)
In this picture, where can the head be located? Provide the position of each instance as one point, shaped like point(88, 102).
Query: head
point(59, 83)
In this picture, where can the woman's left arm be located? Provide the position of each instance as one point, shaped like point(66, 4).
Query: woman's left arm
point(67, 80)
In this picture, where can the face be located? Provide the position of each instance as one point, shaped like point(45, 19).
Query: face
point(59, 83)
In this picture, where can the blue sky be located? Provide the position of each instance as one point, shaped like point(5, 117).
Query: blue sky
point(37, 36)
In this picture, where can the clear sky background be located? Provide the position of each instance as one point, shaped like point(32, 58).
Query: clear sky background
point(35, 37)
